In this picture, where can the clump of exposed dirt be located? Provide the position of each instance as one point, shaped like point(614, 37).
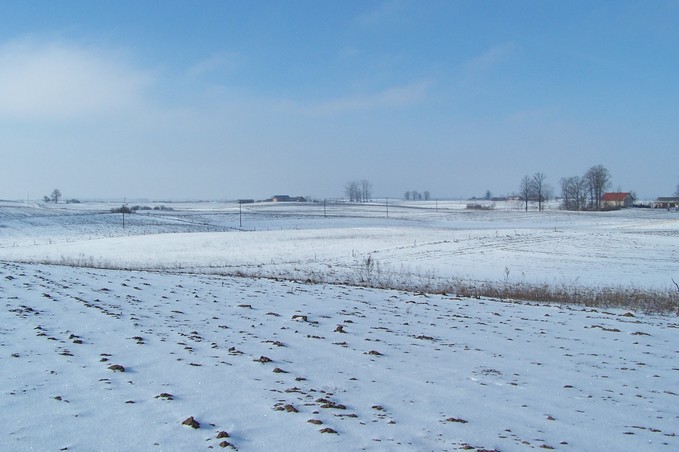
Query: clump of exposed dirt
point(191, 422)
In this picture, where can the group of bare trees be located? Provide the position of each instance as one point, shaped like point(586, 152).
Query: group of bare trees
point(54, 197)
point(580, 193)
point(534, 189)
point(416, 195)
point(359, 190)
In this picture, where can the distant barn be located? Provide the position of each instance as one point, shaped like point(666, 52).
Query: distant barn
point(617, 200)
point(286, 198)
point(667, 202)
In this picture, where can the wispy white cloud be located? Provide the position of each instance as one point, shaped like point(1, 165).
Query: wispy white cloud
point(387, 12)
point(492, 57)
point(215, 62)
point(60, 80)
point(394, 97)
point(349, 52)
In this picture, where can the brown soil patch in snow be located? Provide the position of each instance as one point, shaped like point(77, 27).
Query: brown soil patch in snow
point(191, 422)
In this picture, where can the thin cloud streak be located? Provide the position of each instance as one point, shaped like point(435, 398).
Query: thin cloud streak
point(214, 63)
point(492, 57)
point(387, 12)
point(64, 81)
point(395, 97)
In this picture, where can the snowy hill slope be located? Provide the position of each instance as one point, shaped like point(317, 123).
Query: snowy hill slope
point(385, 370)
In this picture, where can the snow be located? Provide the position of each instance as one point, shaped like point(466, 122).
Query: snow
point(634, 248)
point(413, 371)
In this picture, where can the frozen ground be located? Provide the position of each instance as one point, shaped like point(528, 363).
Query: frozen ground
point(636, 247)
point(383, 370)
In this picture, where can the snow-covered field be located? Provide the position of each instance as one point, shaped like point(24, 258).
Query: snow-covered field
point(284, 365)
point(636, 247)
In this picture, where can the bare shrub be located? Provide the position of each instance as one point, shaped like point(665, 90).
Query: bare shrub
point(366, 270)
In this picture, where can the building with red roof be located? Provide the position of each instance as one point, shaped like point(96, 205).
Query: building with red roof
point(617, 200)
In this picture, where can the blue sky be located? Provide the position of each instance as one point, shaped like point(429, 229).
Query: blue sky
point(233, 99)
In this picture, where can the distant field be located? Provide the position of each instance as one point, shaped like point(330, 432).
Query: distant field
point(435, 241)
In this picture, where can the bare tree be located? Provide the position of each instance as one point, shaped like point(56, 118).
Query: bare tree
point(567, 201)
point(353, 191)
point(366, 190)
point(526, 191)
point(580, 192)
point(598, 180)
point(56, 194)
point(358, 190)
point(540, 189)
point(406, 196)
point(574, 193)
point(427, 195)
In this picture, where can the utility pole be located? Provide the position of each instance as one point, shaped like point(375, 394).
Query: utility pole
point(387, 204)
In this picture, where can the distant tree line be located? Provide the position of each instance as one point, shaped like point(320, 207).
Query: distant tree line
point(415, 195)
point(359, 190)
point(53, 197)
point(580, 193)
point(126, 209)
point(534, 189)
point(122, 209)
point(577, 193)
